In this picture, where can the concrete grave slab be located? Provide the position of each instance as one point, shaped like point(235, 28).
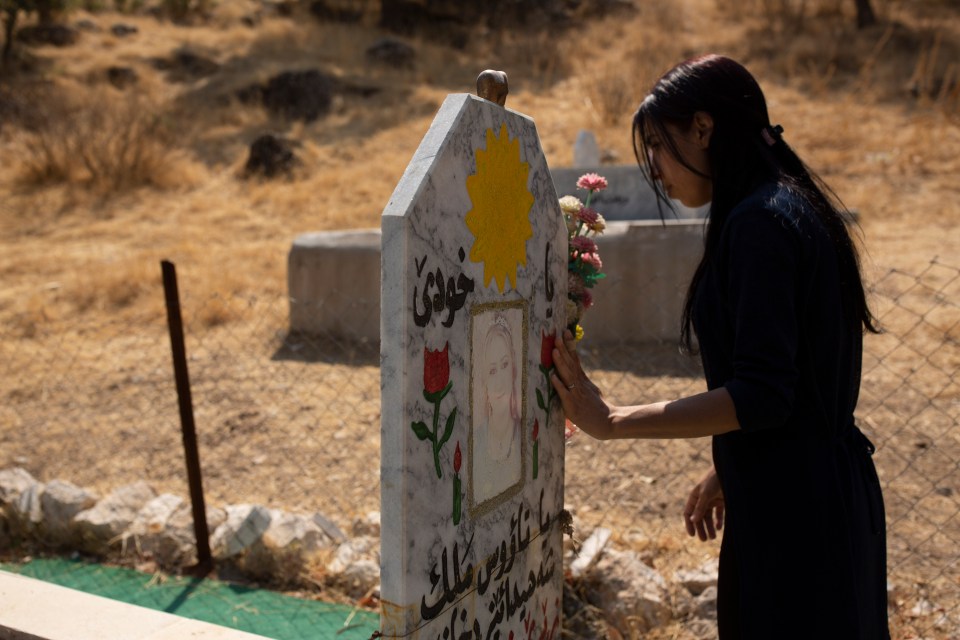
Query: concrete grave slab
point(473, 294)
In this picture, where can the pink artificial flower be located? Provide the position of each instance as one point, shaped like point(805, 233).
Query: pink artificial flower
point(588, 216)
point(583, 244)
point(592, 259)
point(592, 182)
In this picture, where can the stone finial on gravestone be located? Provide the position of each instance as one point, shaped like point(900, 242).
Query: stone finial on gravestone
point(473, 296)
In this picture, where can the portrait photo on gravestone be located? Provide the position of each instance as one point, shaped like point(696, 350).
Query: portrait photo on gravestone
point(498, 351)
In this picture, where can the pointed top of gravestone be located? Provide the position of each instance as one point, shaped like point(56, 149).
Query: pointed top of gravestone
point(492, 86)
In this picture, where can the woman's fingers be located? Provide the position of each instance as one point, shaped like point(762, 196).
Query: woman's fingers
point(688, 511)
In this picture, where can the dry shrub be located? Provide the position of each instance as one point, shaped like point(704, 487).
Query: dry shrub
point(613, 94)
point(933, 81)
point(113, 287)
point(106, 143)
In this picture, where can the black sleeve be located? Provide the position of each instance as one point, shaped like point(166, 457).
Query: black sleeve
point(762, 253)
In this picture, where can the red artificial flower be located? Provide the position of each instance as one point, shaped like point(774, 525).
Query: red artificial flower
point(436, 369)
point(457, 459)
point(547, 342)
point(583, 244)
point(588, 216)
point(536, 429)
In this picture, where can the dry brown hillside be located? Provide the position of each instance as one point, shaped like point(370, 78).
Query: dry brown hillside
point(875, 111)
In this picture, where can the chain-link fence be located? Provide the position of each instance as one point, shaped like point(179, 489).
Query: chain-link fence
point(292, 422)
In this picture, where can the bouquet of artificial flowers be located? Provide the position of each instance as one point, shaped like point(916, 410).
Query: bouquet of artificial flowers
point(584, 264)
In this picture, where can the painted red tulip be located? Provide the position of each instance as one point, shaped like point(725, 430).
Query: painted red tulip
point(536, 429)
point(457, 459)
point(436, 369)
point(547, 343)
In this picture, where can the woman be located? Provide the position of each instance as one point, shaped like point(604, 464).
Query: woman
point(778, 310)
point(497, 436)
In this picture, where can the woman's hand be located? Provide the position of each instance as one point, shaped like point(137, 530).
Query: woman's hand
point(703, 514)
point(581, 399)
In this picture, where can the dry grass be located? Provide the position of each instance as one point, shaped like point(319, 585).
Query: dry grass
point(87, 211)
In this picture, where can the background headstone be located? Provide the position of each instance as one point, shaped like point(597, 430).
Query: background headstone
point(473, 293)
point(586, 153)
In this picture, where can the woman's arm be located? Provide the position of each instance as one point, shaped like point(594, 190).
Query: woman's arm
point(704, 414)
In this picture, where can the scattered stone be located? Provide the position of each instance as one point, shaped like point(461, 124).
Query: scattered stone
point(58, 35)
point(61, 502)
point(332, 529)
point(87, 25)
point(122, 77)
point(123, 30)
point(270, 156)
point(590, 551)
point(245, 524)
point(369, 525)
point(186, 66)
point(633, 595)
point(103, 524)
point(392, 52)
point(299, 95)
point(699, 579)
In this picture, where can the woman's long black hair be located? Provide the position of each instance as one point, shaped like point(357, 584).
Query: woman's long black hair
point(745, 152)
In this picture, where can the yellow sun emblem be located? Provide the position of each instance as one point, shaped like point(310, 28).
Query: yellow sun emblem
point(500, 218)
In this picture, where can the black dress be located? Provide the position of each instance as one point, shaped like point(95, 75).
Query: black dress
point(804, 544)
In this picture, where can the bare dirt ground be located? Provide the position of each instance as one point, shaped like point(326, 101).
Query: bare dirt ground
point(86, 390)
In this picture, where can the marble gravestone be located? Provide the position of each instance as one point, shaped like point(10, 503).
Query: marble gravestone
point(474, 283)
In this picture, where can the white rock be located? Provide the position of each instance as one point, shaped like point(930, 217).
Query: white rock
point(702, 629)
point(175, 544)
point(244, 526)
point(362, 577)
point(590, 551)
point(28, 510)
point(13, 482)
point(355, 566)
point(61, 502)
point(706, 604)
point(108, 519)
point(291, 530)
point(154, 515)
point(633, 596)
point(697, 580)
